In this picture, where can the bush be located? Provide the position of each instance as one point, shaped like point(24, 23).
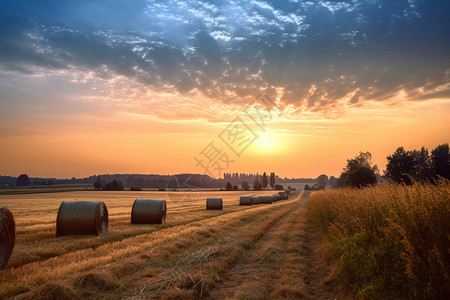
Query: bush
point(161, 189)
point(115, 185)
point(389, 241)
point(228, 186)
point(278, 187)
point(235, 188)
point(135, 188)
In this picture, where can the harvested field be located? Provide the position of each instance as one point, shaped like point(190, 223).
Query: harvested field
point(196, 251)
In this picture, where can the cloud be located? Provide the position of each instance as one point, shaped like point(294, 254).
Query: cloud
point(320, 54)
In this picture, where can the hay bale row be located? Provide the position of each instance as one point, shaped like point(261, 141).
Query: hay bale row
point(245, 200)
point(7, 236)
point(148, 211)
point(255, 200)
point(82, 218)
point(214, 203)
point(267, 199)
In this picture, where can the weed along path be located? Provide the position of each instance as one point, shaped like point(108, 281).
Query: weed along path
point(252, 252)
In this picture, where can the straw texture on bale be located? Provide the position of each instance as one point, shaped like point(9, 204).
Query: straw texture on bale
point(276, 198)
point(214, 203)
point(148, 211)
point(7, 236)
point(82, 218)
point(245, 200)
point(255, 200)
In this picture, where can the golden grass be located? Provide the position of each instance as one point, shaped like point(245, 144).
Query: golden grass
point(40, 257)
point(390, 241)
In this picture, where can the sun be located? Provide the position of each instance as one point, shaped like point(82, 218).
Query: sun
point(267, 142)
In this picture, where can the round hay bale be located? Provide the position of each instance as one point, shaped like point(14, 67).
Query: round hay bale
point(7, 236)
point(287, 192)
point(82, 218)
point(214, 203)
point(261, 200)
point(268, 199)
point(255, 200)
point(148, 211)
point(245, 200)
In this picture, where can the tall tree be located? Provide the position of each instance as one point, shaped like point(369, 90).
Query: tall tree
point(272, 180)
point(23, 180)
point(264, 181)
point(245, 185)
point(406, 166)
point(228, 186)
point(440, 161)
point(257, 184)
point(322, 180)
point(359, 171)
point(99, 183)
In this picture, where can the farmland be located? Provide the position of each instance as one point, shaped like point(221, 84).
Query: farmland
point(234, 252)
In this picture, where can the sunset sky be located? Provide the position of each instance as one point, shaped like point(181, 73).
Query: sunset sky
point(115, 86)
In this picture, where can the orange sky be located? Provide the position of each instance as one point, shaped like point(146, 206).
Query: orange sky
point(115, 141)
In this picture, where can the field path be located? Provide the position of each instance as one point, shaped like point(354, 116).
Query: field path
point(257, 252)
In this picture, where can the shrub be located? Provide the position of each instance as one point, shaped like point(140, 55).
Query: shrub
point(115, 185)
point(135, 188)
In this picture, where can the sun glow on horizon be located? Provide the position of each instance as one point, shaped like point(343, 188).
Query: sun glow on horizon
point(267, 143)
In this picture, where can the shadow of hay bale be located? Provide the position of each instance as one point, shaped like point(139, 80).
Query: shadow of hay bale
point(7, 236)
point(148, 211)
point(82, 218)
point(214, 203)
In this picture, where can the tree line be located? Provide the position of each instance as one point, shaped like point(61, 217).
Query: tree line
point(402, 166)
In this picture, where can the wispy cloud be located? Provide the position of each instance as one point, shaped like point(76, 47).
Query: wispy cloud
point(197, 59)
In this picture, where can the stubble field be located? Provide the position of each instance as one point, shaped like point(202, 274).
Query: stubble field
point(197, 253)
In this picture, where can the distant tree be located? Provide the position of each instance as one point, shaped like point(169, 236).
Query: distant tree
point(272, 180)
point(307, 187)
point(440, 161)
point(140, 182)
point(245, 185)
point(135, 188)
point(257, 186)
point(264, 181)
point(228, 186)
point(23, 180)
point(115, 185)
point(130, 180)
point(99, 183)
point(359, 171)
point(405, 166)
point(332, 180)
point(235, 188)
point(322, 180)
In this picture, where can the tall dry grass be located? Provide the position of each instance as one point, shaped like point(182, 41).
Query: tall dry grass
point(389, 241)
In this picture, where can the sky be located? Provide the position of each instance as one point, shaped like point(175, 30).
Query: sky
point(166, 87)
